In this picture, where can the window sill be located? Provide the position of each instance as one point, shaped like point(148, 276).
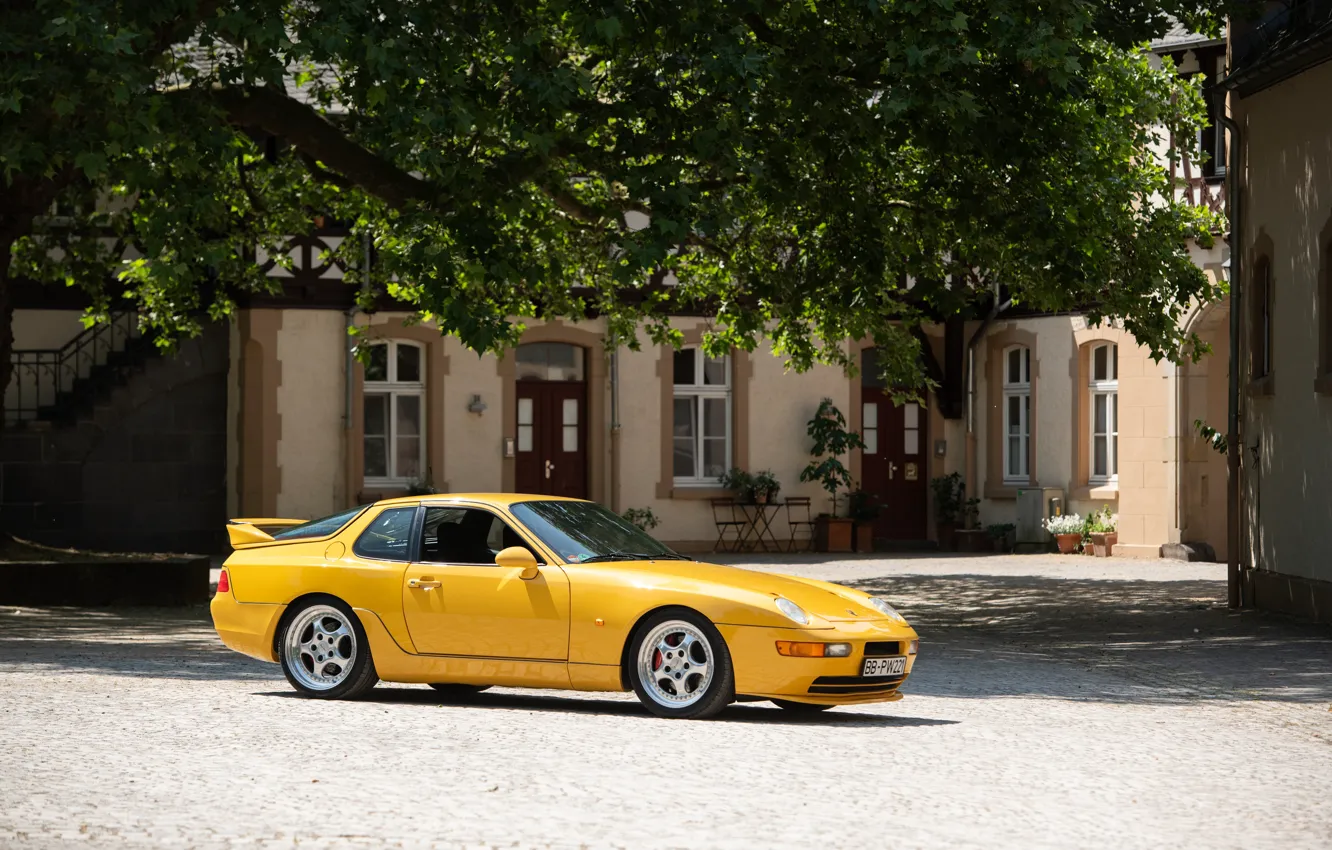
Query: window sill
point(1323, 384)
point(1098, 491)
point(1264, 386)
point(1006, 490)
point(698, 492)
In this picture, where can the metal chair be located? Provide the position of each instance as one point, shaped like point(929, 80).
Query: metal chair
point(799, 518)
point(725, 517)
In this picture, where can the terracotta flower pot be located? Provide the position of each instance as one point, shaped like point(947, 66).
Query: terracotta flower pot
point(834, 534)
point(946, 532)
point(1103, 543)
point(864, 537)
point(1068, 543)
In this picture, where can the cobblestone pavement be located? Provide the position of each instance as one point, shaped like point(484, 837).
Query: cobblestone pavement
point(1057, 703)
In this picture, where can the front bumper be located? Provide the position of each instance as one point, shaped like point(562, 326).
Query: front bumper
point(247, 627)
point(761, 672)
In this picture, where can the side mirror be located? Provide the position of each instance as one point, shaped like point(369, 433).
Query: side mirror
point(521, 558)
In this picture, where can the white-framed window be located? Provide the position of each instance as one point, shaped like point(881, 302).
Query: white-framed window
point(393, 439)
point(1017, 415)
point(701, 417)
point(1104, 392)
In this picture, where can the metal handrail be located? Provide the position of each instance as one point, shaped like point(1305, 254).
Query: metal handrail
point(41, 376)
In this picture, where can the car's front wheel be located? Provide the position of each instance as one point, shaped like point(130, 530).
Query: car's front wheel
point(324, 652)
point(680, 666)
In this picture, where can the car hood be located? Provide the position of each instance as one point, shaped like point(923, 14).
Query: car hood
point(828, 601)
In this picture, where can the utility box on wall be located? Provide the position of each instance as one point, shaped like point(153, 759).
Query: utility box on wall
point(1034, 506)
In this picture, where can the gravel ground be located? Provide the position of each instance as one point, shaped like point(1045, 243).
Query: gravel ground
point(1057, 703)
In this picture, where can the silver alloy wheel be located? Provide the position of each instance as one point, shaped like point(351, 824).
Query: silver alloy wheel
point(675, 664)
point(320, 647)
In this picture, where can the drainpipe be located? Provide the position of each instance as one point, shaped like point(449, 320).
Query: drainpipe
point(615, 424)
point(1235, 597)
point(971, 476)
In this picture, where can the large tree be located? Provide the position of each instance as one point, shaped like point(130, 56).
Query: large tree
point(808, 170)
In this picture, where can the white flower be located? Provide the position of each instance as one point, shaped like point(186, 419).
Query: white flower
point(1066, 524)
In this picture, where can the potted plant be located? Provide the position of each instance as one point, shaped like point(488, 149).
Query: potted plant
point(863, 509)
point(971, 537)
point(1101, 529)
point(831, 441)
point(765, 487)
point(1001, 534)
point(948, 507)
point(1067, 531)
point(739, 482)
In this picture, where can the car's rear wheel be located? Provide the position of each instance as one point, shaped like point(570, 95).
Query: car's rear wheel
point(324, 651)
point(800, 707)
point(449, 690)
point(679, 665)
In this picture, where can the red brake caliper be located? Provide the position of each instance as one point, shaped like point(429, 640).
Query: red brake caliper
point(656, 659)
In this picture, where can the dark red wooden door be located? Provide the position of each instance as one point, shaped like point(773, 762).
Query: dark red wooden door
point(893, 464)
point(551, 437)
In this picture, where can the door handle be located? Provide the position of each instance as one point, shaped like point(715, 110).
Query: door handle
point(549, 466)
point(892, 467)
point(422, 584)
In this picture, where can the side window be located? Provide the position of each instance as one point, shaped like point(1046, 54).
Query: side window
point(388, 537)
point(465, 536)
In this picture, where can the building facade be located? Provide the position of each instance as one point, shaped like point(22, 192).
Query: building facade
point(1279, 88)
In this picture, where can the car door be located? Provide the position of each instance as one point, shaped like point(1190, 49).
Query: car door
point(457, 601)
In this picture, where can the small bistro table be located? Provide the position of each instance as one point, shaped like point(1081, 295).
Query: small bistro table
point(757, 533)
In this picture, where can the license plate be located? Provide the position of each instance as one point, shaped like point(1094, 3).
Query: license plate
point(895, 666)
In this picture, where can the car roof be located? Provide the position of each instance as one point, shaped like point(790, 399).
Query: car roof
point(493, 498)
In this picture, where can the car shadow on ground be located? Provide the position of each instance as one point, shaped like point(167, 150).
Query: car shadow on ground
point(745, 712)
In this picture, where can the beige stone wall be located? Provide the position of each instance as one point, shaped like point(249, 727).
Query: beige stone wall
point(311, 348)
point(1288, 204)
point(45, 328)
point(473, 442)
point(1202, 395)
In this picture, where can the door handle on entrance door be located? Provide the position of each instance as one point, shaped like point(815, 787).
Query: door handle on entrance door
point(422, 585)
point(892, 467)
point(549, 466)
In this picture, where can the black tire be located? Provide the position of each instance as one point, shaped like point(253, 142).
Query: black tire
point(718, 692)
point(800, 707)
point(452, 691)
point(360, 675)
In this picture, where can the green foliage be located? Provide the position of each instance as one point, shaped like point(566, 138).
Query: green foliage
point(1213, 437)
point(643, 518)
point(949, 498)
point(1000, 530)
point(765, 485)
point(831, 442)
point(800, 161)
point(862, 505)
point(739, 482)
point(1100, 522)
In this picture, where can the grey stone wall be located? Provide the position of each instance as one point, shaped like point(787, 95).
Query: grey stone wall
point(144, 470)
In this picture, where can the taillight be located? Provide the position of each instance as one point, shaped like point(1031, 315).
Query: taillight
point(223, 583)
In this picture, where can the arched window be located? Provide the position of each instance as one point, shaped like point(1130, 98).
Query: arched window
point(1017, 414)
point(394, 408)
point(701, 427)
point(1104, 397)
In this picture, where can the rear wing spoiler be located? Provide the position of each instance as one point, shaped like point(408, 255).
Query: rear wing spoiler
point(249, 531)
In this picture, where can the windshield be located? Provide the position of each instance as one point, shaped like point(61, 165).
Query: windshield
point(584, 531)
point(319, 527)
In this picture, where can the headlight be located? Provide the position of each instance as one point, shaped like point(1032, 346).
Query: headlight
point(793, 611)
point(882, 606)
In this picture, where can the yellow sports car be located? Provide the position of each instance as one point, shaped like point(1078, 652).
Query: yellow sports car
point(463, 592)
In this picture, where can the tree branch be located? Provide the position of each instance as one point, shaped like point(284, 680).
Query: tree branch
point(313, 135)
